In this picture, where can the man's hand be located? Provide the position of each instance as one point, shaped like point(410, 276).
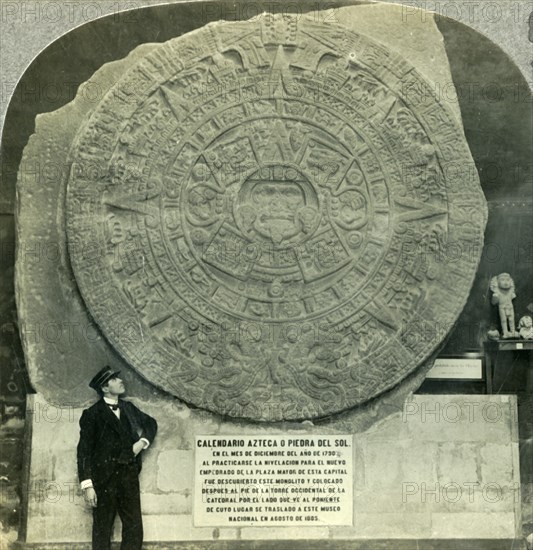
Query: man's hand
point(138, 447)
point(89, 495)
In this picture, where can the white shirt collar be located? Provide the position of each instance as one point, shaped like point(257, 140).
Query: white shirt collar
point(110, 401)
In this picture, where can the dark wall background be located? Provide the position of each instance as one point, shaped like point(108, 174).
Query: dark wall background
point(496, 106)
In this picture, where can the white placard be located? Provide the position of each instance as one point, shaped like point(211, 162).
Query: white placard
point(273, 480)
point(460, 368)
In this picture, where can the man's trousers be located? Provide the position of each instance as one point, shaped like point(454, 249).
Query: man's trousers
point(120, 494)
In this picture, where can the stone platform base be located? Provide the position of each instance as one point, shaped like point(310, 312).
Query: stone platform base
point(428, 544)
point(444, 468)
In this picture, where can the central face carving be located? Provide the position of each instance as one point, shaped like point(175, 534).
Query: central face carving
point(277, 203)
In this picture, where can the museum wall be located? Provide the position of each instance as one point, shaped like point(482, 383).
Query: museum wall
point(495, 103)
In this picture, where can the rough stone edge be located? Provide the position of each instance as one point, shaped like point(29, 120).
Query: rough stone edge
point(106, 76)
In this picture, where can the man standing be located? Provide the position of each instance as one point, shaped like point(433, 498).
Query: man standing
point(113, 433)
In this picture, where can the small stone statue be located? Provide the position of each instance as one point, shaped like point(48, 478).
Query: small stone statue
point(503, 294)
point(525, 326)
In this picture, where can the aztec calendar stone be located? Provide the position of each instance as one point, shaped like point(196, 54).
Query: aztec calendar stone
point(259, 215)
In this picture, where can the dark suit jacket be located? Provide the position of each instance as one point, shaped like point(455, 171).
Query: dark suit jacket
point(104, 440)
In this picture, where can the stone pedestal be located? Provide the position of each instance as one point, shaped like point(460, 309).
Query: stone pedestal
point(443, 467)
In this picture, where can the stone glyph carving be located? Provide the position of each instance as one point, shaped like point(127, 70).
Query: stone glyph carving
point(503, 294)
point(265, 230)
point(525, 326)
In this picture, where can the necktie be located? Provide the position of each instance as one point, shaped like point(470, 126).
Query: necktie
point(114, 407)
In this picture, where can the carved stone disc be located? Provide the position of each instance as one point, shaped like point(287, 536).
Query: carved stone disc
point(271, 219)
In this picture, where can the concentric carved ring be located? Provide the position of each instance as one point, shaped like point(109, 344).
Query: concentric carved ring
point(271, 209)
